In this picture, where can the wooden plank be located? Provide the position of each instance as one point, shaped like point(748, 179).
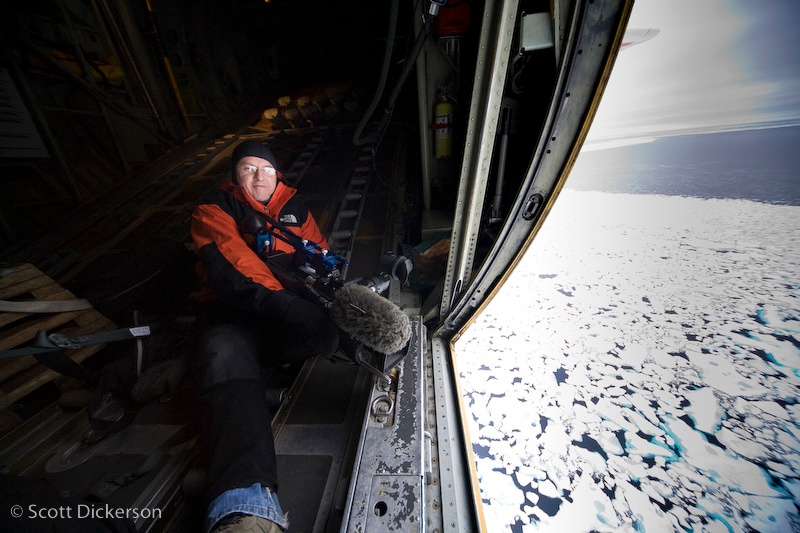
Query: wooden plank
point(15, 274)
point(26, 332)
point(54, 291)
point(24, 287)
point(92, 322)
point(22, 375)
point(21, 282)
point(37, 375)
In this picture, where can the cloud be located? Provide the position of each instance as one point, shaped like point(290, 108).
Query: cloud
point(692, 75)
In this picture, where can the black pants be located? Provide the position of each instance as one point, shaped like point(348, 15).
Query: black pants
point(236, 442)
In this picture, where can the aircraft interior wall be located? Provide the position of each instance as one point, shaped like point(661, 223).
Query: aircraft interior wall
point(112, 87)
point(107, 88)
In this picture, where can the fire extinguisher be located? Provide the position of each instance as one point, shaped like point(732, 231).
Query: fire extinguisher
point(443, 128)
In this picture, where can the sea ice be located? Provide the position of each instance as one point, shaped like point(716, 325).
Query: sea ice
point(652, 375)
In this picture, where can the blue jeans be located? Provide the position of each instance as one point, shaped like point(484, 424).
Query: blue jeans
point(235, 437)
point(253, 500)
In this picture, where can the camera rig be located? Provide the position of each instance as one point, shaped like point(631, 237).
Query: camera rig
point(315, 273)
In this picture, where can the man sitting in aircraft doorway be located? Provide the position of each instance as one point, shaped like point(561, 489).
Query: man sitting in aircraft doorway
point(255, 323)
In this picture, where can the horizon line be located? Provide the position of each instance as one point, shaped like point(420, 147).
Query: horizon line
point(642, 137)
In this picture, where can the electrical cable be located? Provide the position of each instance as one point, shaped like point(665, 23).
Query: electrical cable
point(137, 285)
point(387, 58)
point(408, 66)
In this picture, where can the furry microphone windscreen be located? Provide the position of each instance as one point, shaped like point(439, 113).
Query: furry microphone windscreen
point(370, 317)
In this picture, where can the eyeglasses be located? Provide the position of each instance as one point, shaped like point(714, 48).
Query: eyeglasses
point(250, 170)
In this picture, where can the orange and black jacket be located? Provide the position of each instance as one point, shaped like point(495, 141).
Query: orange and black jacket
point(229, 266)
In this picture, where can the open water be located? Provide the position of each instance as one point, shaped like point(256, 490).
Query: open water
point(640, 371)
point(754, 164)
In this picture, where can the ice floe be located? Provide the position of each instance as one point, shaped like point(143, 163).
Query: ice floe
point(641, 370)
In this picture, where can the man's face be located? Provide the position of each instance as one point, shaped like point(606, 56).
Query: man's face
point(258, 177)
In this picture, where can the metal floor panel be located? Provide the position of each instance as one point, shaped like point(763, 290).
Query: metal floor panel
point(389, 485)
point(317, 436)
point(315, 444)
point(304, 478)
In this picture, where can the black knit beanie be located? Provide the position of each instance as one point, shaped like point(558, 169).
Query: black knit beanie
point(250, 148)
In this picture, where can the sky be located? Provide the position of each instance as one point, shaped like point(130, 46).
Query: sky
point(714, 64)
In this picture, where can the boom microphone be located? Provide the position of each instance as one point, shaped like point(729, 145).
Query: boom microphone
point(371, 318)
